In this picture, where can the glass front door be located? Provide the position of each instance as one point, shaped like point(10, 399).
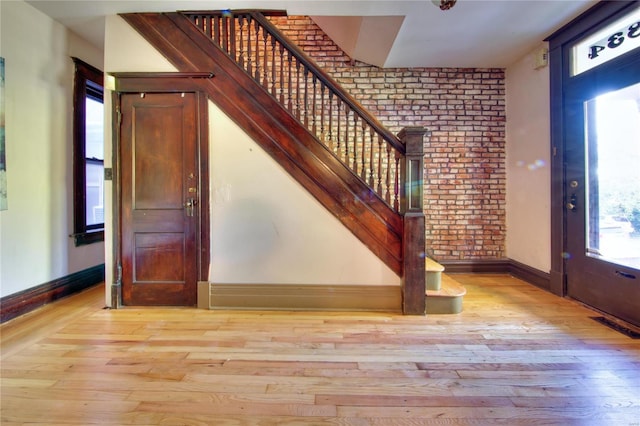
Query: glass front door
point(603, 195)
point(595, 159)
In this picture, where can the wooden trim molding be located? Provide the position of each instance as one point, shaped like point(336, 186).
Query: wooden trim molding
point(155, 75)
point(25, 301)
point(163, 82)
point(530, 275)
point(476, 265)
point(501, 266)
point(300, 297)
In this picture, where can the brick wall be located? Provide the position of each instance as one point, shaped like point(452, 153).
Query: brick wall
point(465, 181)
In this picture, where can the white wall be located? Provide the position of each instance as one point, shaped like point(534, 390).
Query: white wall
point(528, 165)
point(35, 246)
point(264, 227)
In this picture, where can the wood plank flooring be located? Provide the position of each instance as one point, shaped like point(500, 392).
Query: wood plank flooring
point(516, 355)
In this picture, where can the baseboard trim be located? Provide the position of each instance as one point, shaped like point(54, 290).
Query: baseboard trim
point(300, 297)
point(500, 266)
point(27, 300)
point(530, 275)
point(478, 265)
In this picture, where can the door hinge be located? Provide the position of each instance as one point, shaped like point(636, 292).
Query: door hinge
point(116, 289)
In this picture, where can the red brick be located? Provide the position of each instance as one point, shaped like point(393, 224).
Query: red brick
point(465, 180)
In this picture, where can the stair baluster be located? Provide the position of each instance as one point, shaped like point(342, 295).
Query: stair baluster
point(337, 115)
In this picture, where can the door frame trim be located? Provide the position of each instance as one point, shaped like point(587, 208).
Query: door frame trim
point(163, 82)
point(560, 43)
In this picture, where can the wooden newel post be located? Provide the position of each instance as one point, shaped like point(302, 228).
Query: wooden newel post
point(414, 249)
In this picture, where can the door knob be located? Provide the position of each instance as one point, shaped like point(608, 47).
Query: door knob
point(189, 205)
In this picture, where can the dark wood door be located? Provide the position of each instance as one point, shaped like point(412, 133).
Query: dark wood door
point(603, 189)
point(159, 193)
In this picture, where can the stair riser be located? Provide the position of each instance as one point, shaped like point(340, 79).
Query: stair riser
point(434, 280)
point(438, 305)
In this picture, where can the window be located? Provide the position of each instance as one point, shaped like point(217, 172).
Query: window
point(613, 41)
point(88, 154)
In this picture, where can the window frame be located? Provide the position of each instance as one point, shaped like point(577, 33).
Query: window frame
point(88, 83)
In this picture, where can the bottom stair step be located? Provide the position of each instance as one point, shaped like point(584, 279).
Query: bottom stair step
point(447, 300)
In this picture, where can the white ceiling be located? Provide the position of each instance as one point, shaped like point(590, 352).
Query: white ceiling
point(386, 33)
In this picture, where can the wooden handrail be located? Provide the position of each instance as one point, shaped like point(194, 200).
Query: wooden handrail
point(325, 78)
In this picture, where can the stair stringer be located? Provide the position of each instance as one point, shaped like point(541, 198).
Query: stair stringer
point(307, 160)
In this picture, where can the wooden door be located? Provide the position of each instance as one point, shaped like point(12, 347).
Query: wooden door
point(159, 194)
point(602, 153)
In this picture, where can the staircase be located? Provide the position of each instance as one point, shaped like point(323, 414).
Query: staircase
point(443, 293)
point(370, 179)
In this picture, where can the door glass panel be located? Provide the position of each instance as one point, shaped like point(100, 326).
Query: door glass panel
point(609, 43)
point(613, 176)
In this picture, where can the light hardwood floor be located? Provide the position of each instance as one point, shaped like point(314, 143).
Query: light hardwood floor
point(516, 355)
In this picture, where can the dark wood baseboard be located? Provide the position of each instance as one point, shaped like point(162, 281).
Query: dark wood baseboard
point(500, 266)
point(478, 265)
point(25, 301)
point(530, 275)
